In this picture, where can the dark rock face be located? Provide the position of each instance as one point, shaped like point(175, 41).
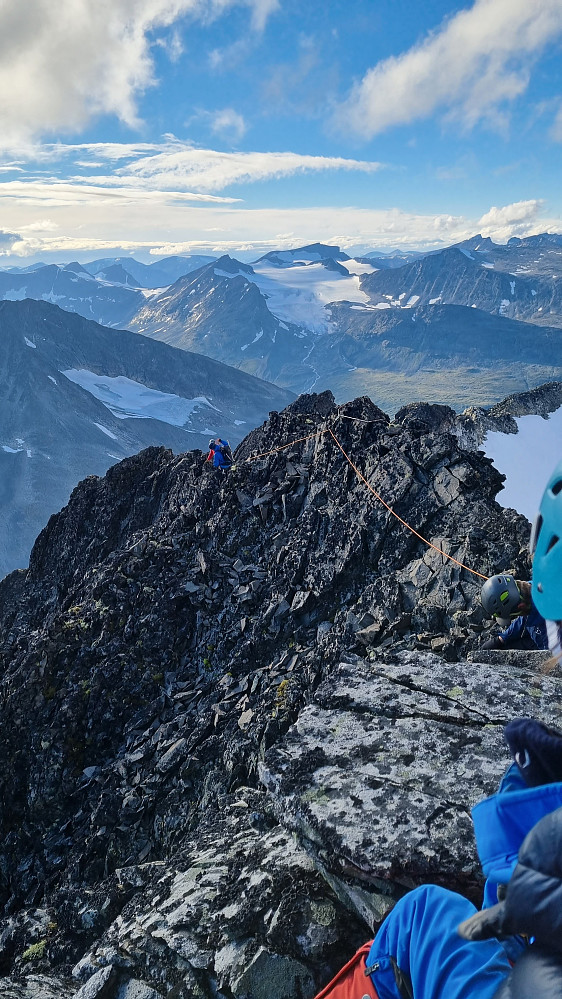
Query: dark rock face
point(474, 423)
point(172, 626)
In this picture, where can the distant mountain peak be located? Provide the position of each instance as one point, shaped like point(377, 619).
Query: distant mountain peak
point(311, 253)
point(230, 265)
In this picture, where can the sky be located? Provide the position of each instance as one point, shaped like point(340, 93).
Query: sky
point(155, 127)
point(526, 459)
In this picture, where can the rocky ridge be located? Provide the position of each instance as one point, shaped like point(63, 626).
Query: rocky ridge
point(475, 422)
point(239, 721)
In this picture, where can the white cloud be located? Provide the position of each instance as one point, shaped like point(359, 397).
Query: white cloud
point(92, 224)
point(226, 123)
point(65, 193)
point(178, 166)
point(7, 241)
point(229, 124)
point(471, 68)
point(185, 167)
point(511, 220)
point(63, 65)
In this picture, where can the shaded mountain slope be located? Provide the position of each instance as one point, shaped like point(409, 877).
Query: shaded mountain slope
point(457, 276)
point(219, 311)
point(407, 339)
point(397, 348)
point(111, 302)
point(156, 275)
point(56, 427)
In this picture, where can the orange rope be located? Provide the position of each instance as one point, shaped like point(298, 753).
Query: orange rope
point(390, 510)
point(254, 457)
point(360, 475)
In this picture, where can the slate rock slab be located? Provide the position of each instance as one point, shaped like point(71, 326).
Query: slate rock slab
point(381, 771)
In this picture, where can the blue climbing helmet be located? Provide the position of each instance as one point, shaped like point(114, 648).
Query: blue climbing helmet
point(546, 549)
point(501, 597)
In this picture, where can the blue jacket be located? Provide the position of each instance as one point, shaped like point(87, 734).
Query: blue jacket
point(418, 953)
point(533, 906)
point(533, 624)
point(219, 460)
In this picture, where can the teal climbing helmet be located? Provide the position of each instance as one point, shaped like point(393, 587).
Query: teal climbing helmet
point(546, 548)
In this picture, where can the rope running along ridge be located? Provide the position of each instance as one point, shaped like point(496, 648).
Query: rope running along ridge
point(360, 475)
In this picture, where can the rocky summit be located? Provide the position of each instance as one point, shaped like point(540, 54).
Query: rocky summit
point(243, 714)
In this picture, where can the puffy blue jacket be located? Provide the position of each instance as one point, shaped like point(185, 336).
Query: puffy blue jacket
point(418, 953)
point(533, 624)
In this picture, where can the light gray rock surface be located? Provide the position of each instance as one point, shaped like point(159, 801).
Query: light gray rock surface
point(377, 779)
point(380, 773)
point(243, 910)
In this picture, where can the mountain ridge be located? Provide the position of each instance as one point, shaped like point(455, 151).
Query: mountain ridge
point(172, 628)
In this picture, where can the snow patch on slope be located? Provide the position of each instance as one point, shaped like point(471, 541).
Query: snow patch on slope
point(300, 294)
point(128, 399)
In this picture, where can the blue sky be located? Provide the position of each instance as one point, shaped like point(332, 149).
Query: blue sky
point(175, 126)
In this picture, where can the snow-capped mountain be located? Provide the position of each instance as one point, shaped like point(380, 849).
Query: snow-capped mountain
point(312, 253)
point(111, 298)
point(220, 311)
point(396, 258)
point(313, 317)
point(471, 276)
point(77, 397)
point(265, 318)
point(109, 291)
point(315, 324)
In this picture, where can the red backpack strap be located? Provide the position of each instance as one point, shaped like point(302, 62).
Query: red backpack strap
point(351, 981)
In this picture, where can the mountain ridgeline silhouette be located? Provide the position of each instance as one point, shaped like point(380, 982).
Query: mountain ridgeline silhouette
point(196, 667)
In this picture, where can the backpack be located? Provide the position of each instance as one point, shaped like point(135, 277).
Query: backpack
point(224, 449)
point(352, 981)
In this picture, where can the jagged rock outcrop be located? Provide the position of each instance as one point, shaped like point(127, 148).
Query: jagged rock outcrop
point(474, 423)
point(171, 627)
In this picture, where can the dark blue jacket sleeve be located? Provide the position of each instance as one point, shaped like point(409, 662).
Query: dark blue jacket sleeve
point(514, 631)
point(534, 895)
point(533, 905)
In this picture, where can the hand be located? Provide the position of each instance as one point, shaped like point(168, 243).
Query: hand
point(483, 925)
point(492, 643)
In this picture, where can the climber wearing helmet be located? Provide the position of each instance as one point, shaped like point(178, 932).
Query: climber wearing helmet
point(220, 454)
point(433, 942)
point(509, 601)
point(531, 905)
